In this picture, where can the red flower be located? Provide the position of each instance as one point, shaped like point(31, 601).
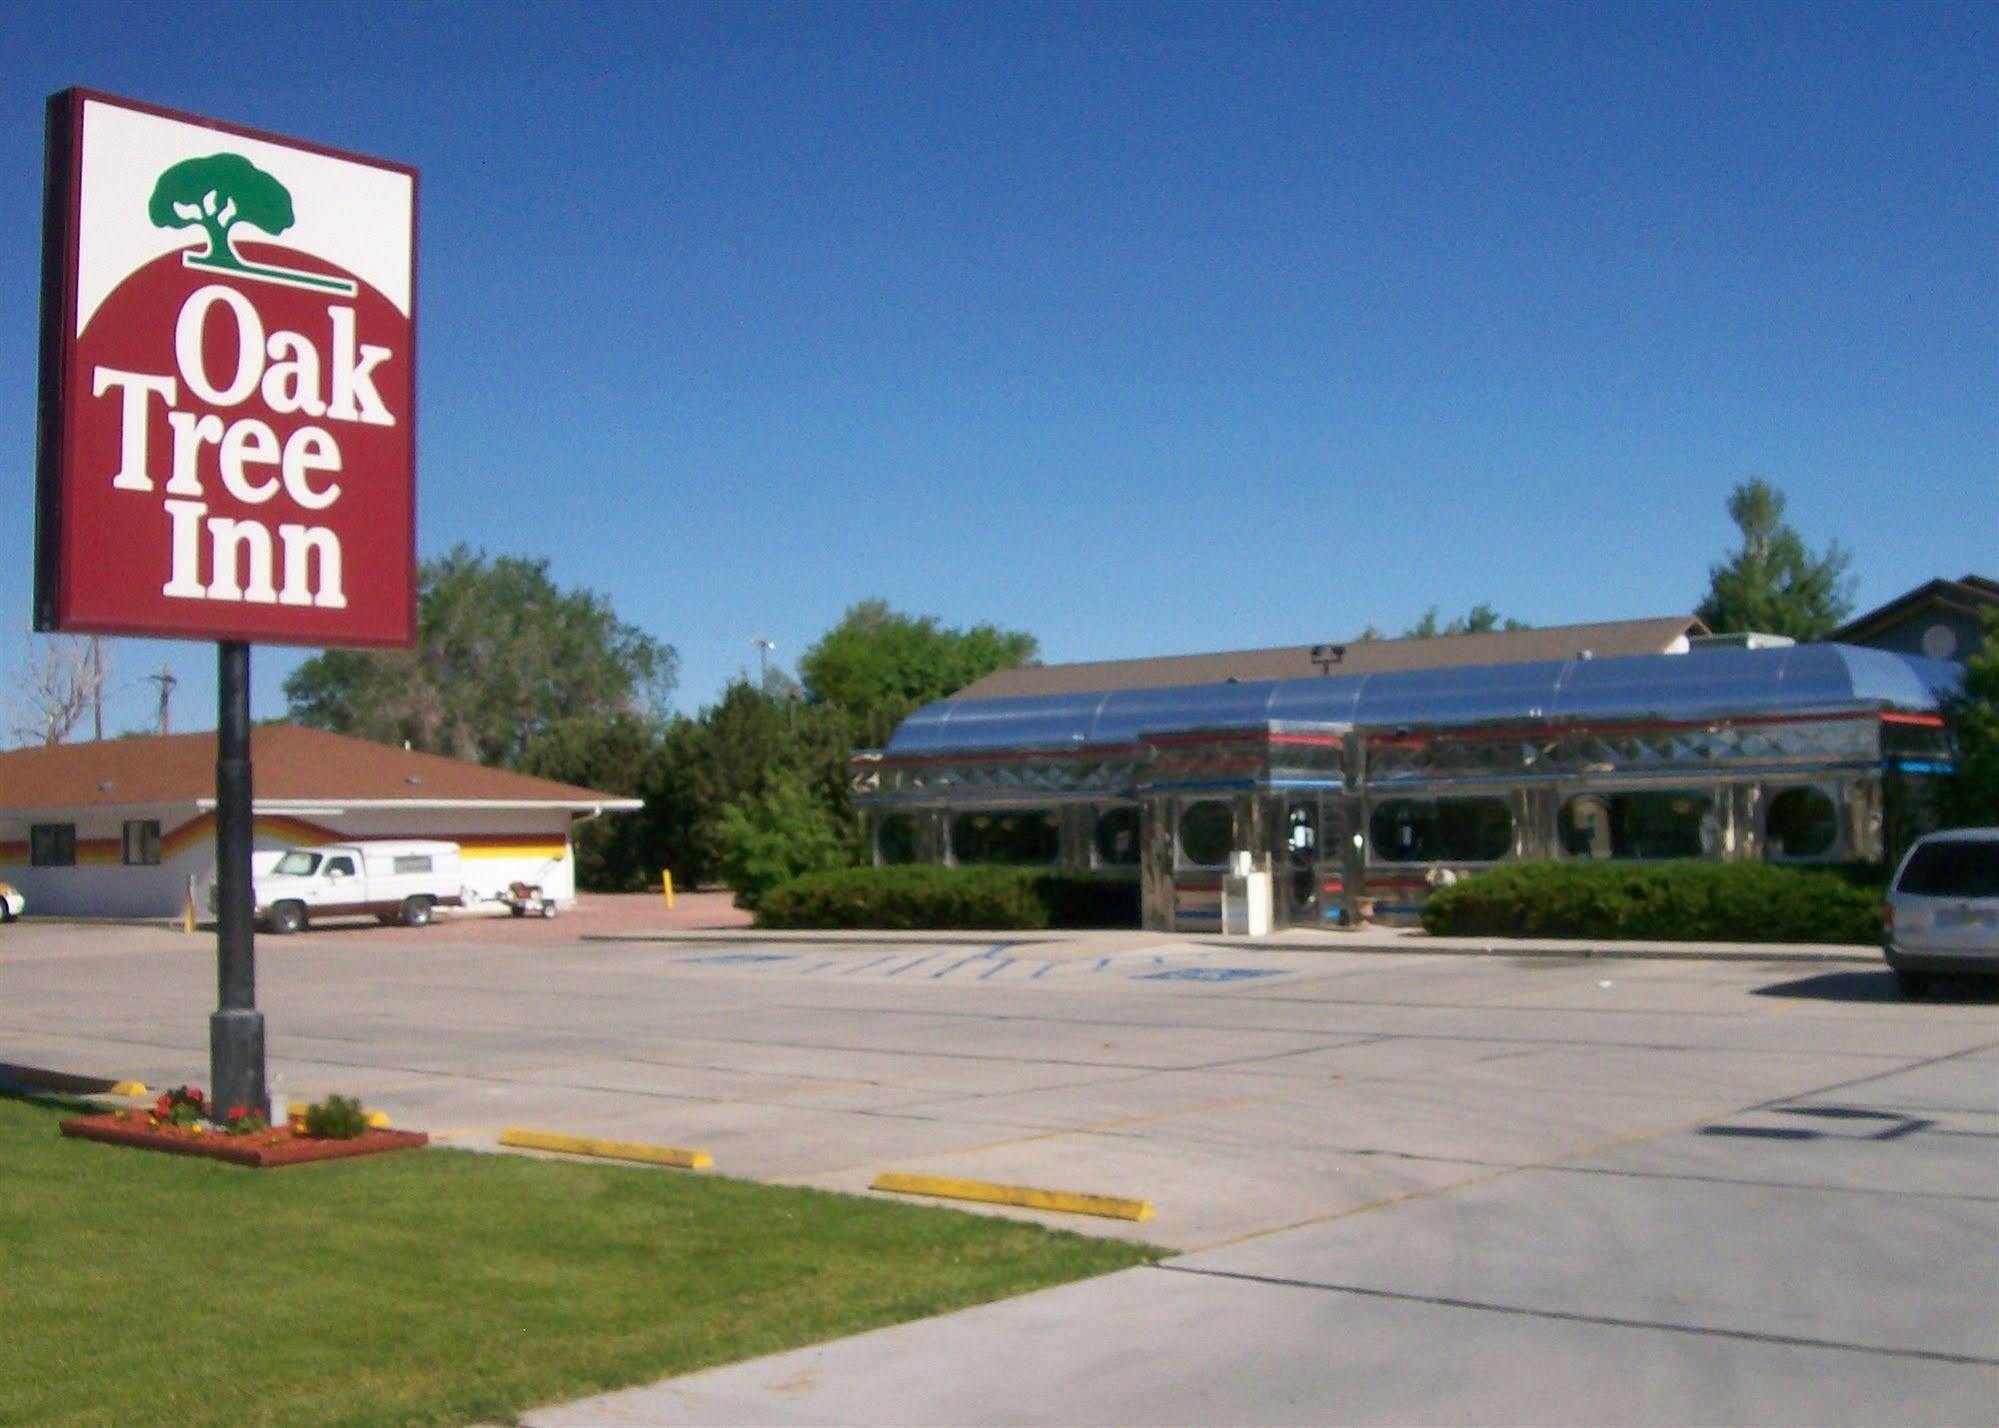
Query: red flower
point(237, 1113)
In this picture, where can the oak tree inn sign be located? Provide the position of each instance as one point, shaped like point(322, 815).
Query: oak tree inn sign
point(228, 384)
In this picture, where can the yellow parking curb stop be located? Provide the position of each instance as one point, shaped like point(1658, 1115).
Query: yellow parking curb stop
point(1025, 1196)
point(607, 1149)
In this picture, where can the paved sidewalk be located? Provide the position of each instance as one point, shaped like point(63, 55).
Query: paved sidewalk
point(1829, 1259)
point(1401, 941)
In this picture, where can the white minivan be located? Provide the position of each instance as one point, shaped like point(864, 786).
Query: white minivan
point(1942, 912)
point(396, 880)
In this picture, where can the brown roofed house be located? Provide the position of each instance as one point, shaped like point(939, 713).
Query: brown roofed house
point(119, 826)
point(1667, 635)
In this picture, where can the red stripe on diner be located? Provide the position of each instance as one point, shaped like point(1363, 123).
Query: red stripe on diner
point(1005, 756)
point(1648, 726)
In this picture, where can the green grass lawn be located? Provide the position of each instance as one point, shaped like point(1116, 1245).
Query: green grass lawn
point(440, 1286)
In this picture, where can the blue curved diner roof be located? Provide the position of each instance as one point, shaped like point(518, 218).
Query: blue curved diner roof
point(1799, 679)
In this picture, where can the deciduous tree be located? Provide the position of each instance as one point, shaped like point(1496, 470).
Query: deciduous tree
point(502, 655)
point(878, 665)
point(62, 679)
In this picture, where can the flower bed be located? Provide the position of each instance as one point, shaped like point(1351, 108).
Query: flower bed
point(262, 1149)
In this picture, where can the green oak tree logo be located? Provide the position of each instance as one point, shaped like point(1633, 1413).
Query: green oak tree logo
point(218, 192)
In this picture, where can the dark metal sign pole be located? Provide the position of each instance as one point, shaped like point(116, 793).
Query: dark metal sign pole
point(236, 1031)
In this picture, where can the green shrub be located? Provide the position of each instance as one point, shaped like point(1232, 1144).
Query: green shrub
point(936, 898)
point(335, 1118)
point(778, 833)
point(1665, 902)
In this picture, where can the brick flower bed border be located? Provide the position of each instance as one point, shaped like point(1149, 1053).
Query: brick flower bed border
point(264, 1150)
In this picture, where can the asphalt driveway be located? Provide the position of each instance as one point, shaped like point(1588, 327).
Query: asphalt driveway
point(1414, 1187)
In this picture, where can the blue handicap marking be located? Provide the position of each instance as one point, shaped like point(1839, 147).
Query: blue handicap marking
point(731, 957)
point(1209, 974)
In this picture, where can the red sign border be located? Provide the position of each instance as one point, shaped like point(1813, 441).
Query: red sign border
point(61, 222)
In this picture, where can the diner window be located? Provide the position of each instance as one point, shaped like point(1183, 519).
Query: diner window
point(1655, 824)
point(52, 845)
point(1117, 838)
point(1800, 823)
point(1029, 836)
point(1442, 830)
point(142, 842)
point(895, 839)
point(1207, 832)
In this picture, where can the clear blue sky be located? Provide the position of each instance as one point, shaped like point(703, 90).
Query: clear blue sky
point(1144, 328)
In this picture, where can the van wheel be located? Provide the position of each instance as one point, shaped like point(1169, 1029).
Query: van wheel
point(287, 918)
point(416, 912)
point(1913, 984)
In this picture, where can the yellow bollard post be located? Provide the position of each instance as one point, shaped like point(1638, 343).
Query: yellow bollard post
point(666, 882)
point(187, 907)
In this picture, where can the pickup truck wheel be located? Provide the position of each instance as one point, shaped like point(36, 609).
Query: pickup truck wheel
point(416, 912)
point(287, 918)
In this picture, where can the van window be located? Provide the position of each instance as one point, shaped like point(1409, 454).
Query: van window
point(341, 867)
point(413, 863)
point(297, 864)
point(1953, 868)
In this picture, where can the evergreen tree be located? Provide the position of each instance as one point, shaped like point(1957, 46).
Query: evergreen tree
point(1970, 797)
point(1773, 585)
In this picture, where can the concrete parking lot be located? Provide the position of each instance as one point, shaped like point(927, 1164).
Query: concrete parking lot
point(1412, 1187)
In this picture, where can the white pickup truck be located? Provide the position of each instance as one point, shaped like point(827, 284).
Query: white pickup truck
point(395, 880)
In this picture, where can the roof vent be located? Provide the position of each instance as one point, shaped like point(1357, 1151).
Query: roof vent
point(105, 787)
point(1740, 640)
point(412, 780)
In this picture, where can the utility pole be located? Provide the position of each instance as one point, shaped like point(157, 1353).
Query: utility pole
point(166, 681)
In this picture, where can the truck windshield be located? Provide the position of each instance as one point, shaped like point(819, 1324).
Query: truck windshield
point(298, 864)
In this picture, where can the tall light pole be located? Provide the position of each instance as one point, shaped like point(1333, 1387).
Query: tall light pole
point(764, 647)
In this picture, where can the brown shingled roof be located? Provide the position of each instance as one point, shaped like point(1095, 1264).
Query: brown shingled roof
point(289, 764)
point(1553, 642)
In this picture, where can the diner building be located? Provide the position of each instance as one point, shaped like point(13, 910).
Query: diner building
point(1355, 779)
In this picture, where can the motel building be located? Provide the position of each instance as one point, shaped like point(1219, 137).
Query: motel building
point(1337, 783)
point(116, 828)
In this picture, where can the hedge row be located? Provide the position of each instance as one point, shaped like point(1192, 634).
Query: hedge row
point(927, 898)
point(1666, 902)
